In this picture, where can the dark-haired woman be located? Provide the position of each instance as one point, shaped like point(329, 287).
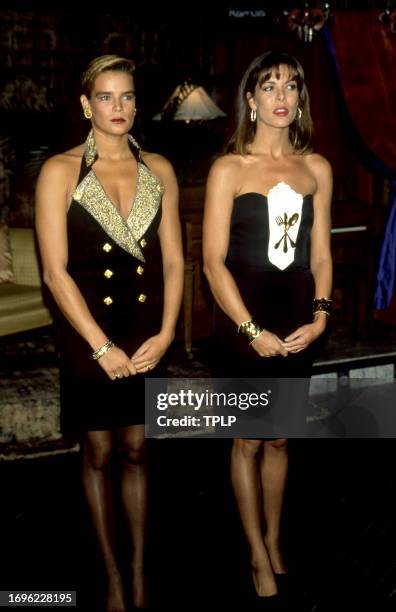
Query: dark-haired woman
point(267, 259)
point(109, 234)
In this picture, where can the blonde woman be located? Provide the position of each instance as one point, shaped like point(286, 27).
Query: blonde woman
point(109, 234)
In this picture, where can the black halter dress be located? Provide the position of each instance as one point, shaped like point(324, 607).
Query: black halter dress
point(117, 266)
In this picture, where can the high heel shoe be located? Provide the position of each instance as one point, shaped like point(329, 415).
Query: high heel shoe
point(282, 581)
point(269, 603)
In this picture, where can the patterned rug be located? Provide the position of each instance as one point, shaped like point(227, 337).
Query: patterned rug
point(29, 402)
point(29, 393)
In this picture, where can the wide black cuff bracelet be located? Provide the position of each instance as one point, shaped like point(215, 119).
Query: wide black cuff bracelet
point(322, 305)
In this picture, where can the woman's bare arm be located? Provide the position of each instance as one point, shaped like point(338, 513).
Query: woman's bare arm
point(321, 262)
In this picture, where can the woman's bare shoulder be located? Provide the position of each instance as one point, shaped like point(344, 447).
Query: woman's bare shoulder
point(225, 176)
point(63, 164)
point(229, 162)
point(157, 163)
point(226, 168)
point(318, 165)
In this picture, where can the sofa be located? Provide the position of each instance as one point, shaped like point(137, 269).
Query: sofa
point(21, 300)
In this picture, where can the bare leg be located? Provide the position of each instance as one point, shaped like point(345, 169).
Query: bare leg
point(97, 447)
point(246, 482)
point(134, 500)
point(273, 470)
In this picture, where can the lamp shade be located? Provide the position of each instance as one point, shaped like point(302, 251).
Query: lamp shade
point(190, 103)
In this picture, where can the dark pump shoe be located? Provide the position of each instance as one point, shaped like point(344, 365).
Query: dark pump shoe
point(282, 581)
point(270, 603)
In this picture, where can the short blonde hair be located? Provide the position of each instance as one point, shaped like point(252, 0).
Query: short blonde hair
point(104, 63)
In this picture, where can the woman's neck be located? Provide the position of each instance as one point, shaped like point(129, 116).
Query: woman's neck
point(110, 147)
point(271, 142)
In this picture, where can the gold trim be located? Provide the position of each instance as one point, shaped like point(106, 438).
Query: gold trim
point(147, 202)
point(90, 150)
point(92, 197)
point(126, 233)
point(134, 143)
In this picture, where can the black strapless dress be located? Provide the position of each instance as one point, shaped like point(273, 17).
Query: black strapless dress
point(269, 257)
point(117, 266)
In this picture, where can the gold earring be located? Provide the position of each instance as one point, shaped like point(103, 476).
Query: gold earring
point(299, 112)
point(253, 115)
point(87, 112)
point(135, 110)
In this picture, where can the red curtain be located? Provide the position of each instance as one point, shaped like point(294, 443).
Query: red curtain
point(366, 55)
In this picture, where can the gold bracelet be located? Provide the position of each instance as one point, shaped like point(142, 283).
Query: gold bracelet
point(242, 325)
point(321, 310)
point(102, 350)
point(250, 329)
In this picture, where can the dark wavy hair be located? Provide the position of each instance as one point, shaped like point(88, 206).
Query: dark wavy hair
point(259, 71)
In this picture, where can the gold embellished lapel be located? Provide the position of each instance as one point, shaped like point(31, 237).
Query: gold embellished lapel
point(135, 146)
point(90, 150)
point(148, 197)
point(91, 195)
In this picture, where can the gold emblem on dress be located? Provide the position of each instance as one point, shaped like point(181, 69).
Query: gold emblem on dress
point(108, 301)
point(108, 273)
point(142, 298)
point(287, 224)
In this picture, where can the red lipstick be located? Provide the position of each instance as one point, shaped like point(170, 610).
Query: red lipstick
point(281, 111)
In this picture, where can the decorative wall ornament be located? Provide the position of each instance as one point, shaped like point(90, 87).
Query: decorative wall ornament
point(388, 19)
point(304, 22)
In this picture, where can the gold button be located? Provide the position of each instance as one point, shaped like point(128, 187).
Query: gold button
point(140, 270)
point(143, 242)
point(108, 301)
point(142, 297)
point(108, 273)
point(107, 247)
point(159, 187)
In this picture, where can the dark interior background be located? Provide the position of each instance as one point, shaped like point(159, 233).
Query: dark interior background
point(43, 50)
